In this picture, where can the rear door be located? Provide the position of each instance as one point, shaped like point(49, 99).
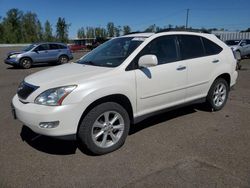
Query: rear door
point(201, 57)
point(54, 51)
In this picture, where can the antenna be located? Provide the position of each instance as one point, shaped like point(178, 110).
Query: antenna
point(187, 18)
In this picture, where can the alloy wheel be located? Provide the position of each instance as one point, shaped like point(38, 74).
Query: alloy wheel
point(107, 129)
point(219, 95)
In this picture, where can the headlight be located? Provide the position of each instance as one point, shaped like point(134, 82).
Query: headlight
point(54, 96)
point(13, 56)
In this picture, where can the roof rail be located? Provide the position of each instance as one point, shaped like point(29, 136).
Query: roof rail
point(134, 33)
point(183, 29)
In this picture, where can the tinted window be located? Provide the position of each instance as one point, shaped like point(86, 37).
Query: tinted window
point(42, 47)
point(248, 41)
point(53, 46)
point(61, 46)
point(191, 46)
point(210, 47)
point(164, 48)
point(232, 42)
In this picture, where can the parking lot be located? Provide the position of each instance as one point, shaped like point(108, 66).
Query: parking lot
point(188, 147)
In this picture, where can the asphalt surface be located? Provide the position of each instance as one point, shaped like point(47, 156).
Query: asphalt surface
point(188, 147)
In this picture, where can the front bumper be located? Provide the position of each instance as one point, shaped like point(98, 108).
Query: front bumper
point(11, 61)
point(31, 115)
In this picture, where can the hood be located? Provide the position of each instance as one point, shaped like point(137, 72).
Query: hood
point(67, 74)
point(15, 52)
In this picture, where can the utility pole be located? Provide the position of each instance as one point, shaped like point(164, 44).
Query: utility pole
point(187, 18)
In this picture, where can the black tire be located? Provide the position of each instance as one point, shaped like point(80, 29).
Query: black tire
point(86, 128)
point(214, 104)
point(238, 66)
point(26, 63)
point(63, 59)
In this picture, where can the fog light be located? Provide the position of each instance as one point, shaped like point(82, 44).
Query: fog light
point(49, 125)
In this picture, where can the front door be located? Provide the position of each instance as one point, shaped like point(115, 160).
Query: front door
point(163, 85)
point(40, 53)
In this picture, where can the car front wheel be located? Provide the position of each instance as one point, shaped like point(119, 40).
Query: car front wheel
point(218, 94)
point(26, 63)
point(104, 129)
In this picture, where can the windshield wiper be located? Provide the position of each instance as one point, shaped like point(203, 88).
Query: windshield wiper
point(88, 63)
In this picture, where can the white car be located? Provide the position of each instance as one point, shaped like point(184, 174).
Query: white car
point(240, 47)
point(123, 81)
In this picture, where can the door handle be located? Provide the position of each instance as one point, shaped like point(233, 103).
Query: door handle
point(181, 68)
point(216, 61)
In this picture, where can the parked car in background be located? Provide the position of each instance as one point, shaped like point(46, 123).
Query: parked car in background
point(122, 82)
point(240, 47)
point(77, 47)
point(40, 53)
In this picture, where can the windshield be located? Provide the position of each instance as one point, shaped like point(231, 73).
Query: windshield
point(28, 48)
point(113, 52)
point(232, 42)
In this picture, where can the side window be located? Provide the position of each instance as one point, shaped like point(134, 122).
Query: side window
point(53, 46)
point(164, 48)
point(191, 46)
point(61, 46)
point(42, 47)
point(248, 42)
point(210, 47)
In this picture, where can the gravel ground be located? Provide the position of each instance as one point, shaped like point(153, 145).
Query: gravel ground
point(188, 147)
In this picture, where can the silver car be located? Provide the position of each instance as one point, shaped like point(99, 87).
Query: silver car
point(240, 47)
point(40, 53)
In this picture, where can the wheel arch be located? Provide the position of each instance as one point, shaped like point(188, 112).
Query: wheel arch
point(27, 58)
point(117, 98)
point(225, 76)
point(60, 55)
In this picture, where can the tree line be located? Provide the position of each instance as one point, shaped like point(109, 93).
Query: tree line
point(20, 27)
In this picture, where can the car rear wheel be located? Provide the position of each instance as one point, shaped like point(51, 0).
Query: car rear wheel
point(104, 129)
point(63, 59)
point(26, 63)
point(218, 94)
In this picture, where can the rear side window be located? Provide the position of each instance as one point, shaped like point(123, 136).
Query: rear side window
point(210, 47)
point(191, 46)
point(61, 46)
point(248, 41)
point(53, 46)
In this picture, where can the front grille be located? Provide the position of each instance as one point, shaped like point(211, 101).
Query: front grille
point(25, 89)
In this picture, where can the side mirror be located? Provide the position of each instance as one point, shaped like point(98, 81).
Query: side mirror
point(148, 61)
point(35, 50)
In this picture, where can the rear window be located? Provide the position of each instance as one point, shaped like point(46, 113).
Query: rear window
point(191, 46)
point(210, 47)
point(60, 46)
point(53, 46)
point(232, 42)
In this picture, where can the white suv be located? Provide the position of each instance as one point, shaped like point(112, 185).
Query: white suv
point(121, 82)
